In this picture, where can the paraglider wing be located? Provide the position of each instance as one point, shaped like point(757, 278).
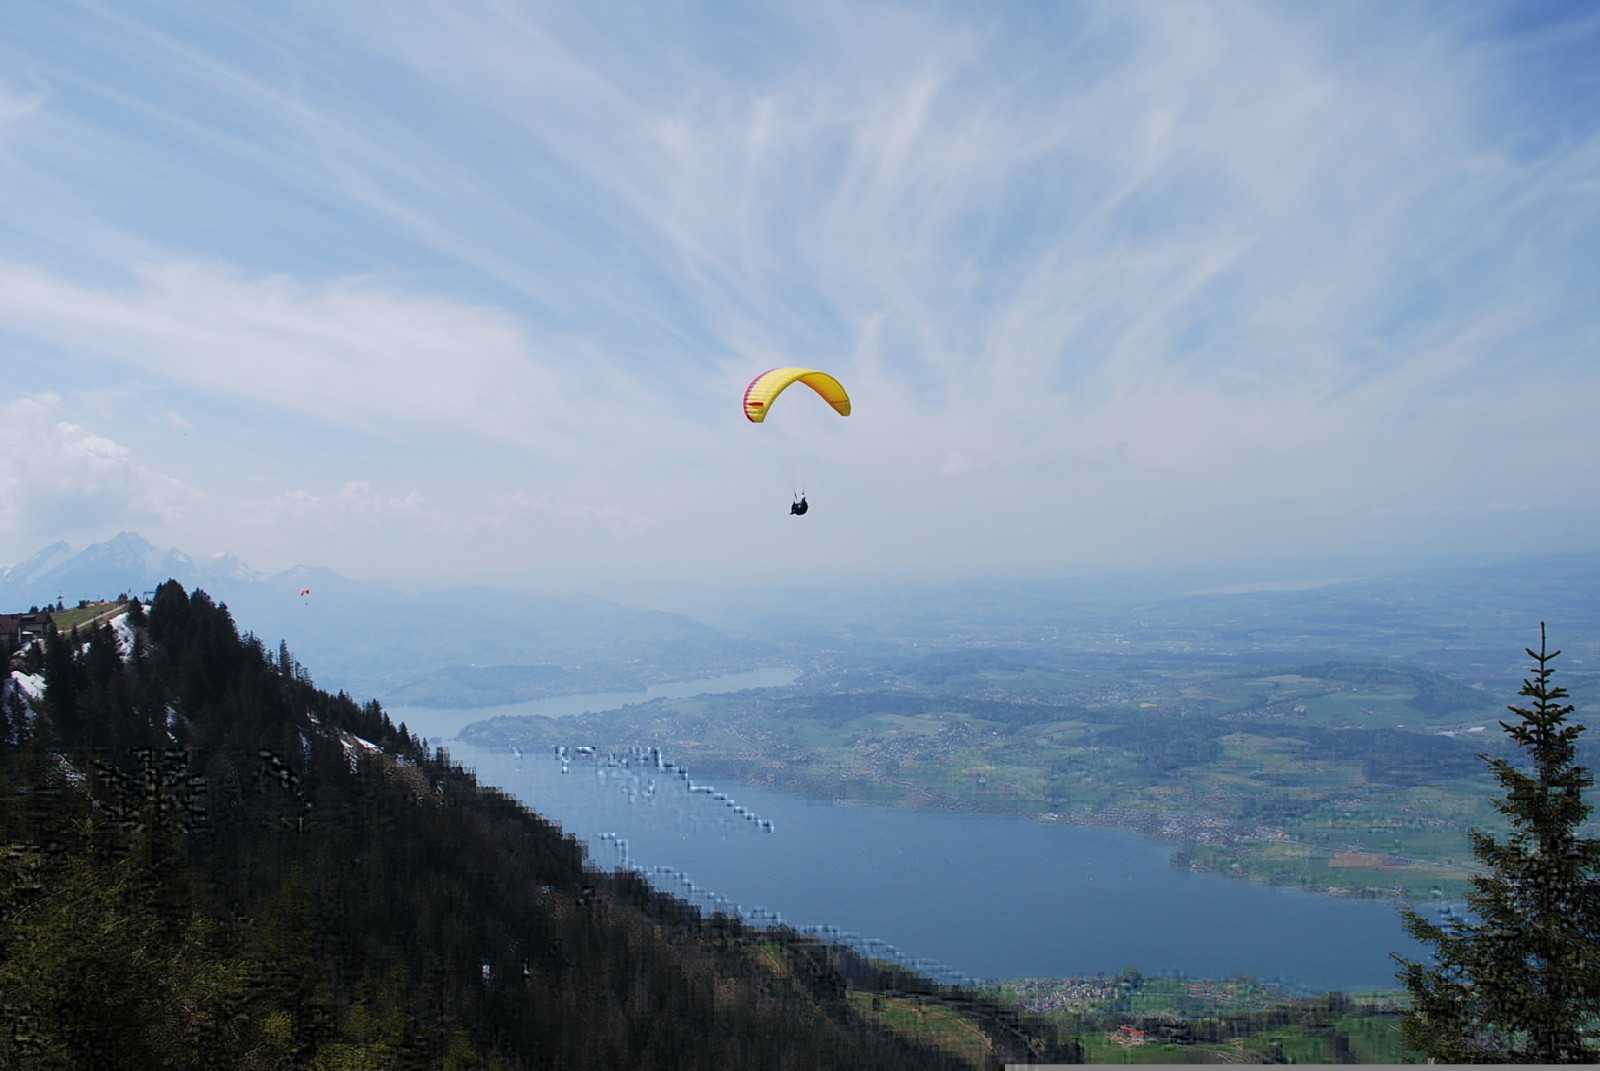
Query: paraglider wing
point(765, 388)
point(305, 591)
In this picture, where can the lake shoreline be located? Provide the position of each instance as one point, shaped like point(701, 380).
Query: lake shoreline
point(710, 848)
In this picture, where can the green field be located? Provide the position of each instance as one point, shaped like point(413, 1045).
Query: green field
point(944, 1027)
point(1137, 1019)
point(67, 620)
point(1346, 778)
point(1374, 1039)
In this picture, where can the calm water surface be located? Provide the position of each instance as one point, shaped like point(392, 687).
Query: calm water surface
point(979, 896)
point(443, 723)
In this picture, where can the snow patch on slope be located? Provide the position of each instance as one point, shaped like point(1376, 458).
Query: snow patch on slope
point(31, 684)
point(124, 633)
point(354, 745)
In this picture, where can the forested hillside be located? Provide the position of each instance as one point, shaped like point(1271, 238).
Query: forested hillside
point(208, 862)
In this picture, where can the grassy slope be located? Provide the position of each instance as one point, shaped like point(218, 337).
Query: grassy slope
point(93, 614)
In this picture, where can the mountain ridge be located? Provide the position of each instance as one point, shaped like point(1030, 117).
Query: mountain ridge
point(369, 638)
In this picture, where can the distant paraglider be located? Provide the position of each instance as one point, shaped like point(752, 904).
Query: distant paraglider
point(763, 391)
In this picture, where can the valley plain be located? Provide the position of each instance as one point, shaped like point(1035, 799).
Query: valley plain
point(1324, 736)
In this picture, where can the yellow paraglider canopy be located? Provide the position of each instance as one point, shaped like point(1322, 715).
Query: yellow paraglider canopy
point(765, 388)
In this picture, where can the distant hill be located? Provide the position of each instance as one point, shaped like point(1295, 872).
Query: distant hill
point(124, 565)
point(1469, 622)
point(458, 647)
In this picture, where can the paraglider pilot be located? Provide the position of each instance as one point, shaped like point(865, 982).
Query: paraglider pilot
point(800, 507)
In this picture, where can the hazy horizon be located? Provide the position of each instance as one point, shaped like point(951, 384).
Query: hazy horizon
point(715, 597)
point(1115, 287)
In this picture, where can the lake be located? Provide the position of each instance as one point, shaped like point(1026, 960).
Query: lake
point(962, 896)
point(442, 723)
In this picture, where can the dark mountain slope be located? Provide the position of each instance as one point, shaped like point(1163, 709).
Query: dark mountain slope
point(212, 863)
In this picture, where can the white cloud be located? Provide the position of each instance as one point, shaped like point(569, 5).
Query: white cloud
point(291, 504)
point(358, 496)
point(172, 420)
point(357, 507)
point(349, 352)
point(58, 477)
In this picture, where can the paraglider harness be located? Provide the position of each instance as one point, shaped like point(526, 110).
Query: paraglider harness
point(800, 507)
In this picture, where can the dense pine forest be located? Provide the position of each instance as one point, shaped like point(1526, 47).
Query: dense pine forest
point(206, 861)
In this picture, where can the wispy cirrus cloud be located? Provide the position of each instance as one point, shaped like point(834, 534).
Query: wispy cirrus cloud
point(17, 104)
point(1222, 265)
point(347, 351)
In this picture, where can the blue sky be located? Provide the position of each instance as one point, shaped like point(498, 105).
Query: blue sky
point(434, 289)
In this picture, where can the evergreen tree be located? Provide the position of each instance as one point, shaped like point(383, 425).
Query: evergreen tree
point(1521, 984)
